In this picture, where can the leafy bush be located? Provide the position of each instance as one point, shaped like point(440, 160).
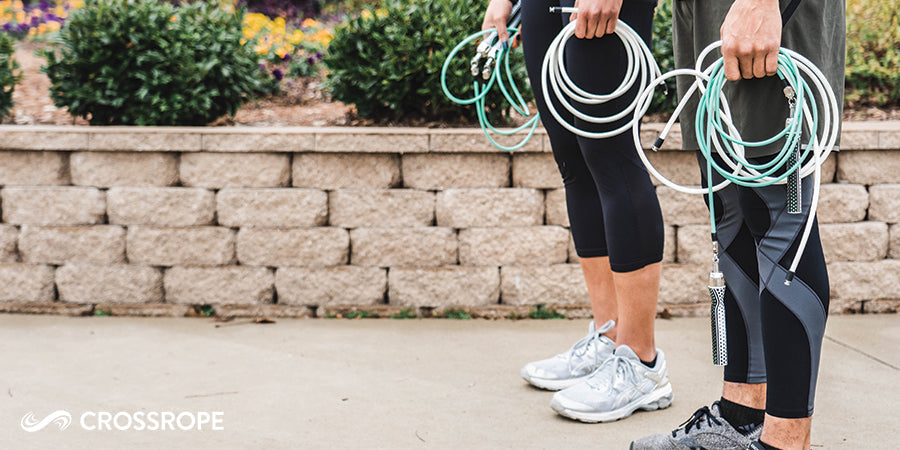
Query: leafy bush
point(8, 75)
point(873, 53)
point(665, 57)
point(144, 62)
point(388, 62)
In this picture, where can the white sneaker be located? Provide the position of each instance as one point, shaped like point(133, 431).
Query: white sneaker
point(616, 389)
point(573, 366)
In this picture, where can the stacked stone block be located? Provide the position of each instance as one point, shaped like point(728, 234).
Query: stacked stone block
point(264, 220)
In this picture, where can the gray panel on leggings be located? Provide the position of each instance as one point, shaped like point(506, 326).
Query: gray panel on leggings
point(799, 298)
point(744, 289)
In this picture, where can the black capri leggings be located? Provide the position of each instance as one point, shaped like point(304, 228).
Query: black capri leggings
point(612, 205)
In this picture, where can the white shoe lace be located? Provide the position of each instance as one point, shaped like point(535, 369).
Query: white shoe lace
point(576, 355)
point(615, 372)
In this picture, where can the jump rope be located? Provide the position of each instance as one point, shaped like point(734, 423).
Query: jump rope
point(713, 125)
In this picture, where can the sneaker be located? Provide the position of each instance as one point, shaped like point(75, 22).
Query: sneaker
point(621, 385)
point(573, 366)
point(705, 429)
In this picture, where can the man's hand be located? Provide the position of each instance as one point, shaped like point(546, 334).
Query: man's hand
point(497, 14)
point(595, 18)
point(751, 37)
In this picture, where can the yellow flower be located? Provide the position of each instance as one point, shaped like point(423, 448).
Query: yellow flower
point(310, 23)
point(366, 14)
point(296, 37)
point(174, 18)
point(322, 36)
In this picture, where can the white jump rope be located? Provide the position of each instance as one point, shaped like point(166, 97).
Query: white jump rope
point(640, 68)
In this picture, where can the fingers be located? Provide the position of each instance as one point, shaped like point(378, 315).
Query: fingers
point(732, 68)
point(495, 17)
point(502, 34)
point(746, 62)
point(611, 25)
point(771, 64)
point(595, 18)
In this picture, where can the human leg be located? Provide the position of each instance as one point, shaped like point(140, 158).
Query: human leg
point(793, 315)
point(585, 212)
point(634, 234)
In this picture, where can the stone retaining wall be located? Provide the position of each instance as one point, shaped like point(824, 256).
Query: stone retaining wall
point(305, 222)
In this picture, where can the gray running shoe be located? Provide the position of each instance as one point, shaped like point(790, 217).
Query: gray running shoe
point(574, 365)
point(621, 385)
point(706, 429)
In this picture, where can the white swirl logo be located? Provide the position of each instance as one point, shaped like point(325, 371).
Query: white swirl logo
point(61, 418)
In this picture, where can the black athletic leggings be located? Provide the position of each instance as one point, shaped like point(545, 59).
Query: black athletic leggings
point(612, 205)
point(774, 331)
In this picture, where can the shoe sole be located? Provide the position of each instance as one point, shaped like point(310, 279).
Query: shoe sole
point(551, 385)
point(659, 398)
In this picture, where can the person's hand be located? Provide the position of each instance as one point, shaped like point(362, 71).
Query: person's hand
point(751, 37)
point(595, 18)
point(497, 14)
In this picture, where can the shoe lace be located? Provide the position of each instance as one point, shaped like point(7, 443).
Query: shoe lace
point(613, 369)
point(697, 419)
point(584, 345)
point(580, 349)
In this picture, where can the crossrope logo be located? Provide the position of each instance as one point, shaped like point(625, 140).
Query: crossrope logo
point(61, 418)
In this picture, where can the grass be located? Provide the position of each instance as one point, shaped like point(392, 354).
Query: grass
point(407, 313)
point(541, 312)
point(456, 314)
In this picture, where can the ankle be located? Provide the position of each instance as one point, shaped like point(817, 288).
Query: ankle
point(743, 418)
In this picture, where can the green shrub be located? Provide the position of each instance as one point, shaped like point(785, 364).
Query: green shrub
point(8, 75)
point(145, 62)
point(663, 53)
point(388, 62)
point(873, 53)
point(543, 313)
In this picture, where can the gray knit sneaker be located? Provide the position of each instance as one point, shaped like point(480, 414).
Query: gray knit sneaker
point(706, 429)
point(575, 364)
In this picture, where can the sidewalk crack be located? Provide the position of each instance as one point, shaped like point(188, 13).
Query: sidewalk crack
point(870, 356)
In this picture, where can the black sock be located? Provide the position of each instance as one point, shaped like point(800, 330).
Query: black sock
point(767, 446)
point(743, 418)
point(651, 364)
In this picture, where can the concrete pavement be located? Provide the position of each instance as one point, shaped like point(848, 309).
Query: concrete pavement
point(320, 383)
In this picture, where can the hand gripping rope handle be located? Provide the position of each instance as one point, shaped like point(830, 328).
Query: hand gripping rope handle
point(714, 117)
point(640, 63)
point(490, 55)
point(485, 67)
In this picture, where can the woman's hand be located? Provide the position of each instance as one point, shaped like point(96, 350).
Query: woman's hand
point(595, 18)
point(497, 14)
point(751, 37)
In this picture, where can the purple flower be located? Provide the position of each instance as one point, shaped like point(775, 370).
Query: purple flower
point(319, 56)
point(45, 5)
point(35, 21)
point(278, 74)
point(311, 60)
point(7, 27)
point(287, 57)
